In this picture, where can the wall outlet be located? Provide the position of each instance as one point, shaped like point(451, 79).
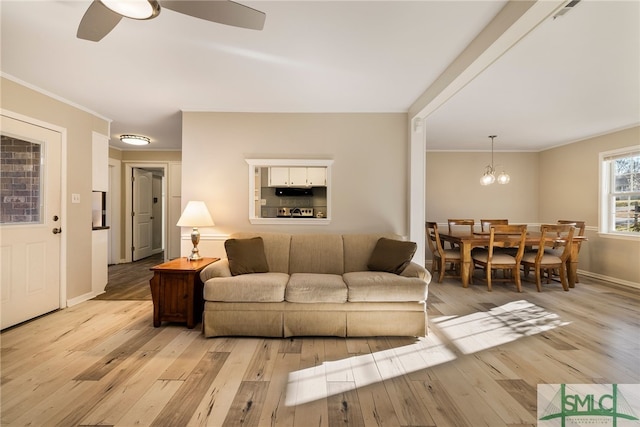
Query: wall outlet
point(75, 198)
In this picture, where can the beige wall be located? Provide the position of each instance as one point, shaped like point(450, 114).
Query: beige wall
point(79, 125)
point(569, 184)
point(560, 183)
point(150, 156)
point(369, 170)
point(137, 156)
point(453, 187)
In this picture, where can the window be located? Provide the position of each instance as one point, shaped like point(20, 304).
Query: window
point(290, 191)
point(620, 194)
point(20, 181)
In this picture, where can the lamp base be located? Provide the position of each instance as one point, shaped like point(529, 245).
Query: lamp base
point(195, 239)
point(195, 255)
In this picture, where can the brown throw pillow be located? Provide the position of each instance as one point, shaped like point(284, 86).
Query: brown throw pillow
point(246, 256)
point(392, 256)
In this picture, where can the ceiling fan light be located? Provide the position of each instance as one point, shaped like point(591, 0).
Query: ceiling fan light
point(135, 139)
point(134, 9)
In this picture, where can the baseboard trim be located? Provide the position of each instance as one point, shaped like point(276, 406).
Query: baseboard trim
point(82, 298)
point(609, 279)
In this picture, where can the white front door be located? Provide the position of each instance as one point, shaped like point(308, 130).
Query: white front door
point(142, 214)
point(30, 223)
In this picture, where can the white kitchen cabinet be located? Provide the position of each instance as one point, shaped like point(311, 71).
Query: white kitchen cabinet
point(99, 260)
point(317, 177)
point(297, 176)
point(278, 177)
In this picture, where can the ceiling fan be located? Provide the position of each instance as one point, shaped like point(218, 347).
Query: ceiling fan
point(103, 15)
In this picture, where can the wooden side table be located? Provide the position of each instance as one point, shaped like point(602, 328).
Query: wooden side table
point(176, 290)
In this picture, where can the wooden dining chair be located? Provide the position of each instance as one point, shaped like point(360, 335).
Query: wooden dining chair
point(542, 261)
point(492, 259)
point(441, 256)
point(460, 225)
point(580, 229)
point(485, 224)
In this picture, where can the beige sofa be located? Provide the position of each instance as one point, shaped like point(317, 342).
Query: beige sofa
point(316, 284)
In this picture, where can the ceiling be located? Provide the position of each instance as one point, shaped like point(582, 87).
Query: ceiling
point(572, 77)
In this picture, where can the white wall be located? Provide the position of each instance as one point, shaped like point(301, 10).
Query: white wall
point(369, 170)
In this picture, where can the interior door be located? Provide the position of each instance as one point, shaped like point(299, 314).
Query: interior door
point(142, 213)
point(30, 223)
point(158, 221)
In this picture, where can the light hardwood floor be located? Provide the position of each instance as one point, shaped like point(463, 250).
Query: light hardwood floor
point(103, 363)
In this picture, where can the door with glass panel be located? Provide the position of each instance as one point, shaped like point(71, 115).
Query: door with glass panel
point(30, 223)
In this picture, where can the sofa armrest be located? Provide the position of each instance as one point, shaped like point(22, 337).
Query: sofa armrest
point(416, 270)
point(217, 269)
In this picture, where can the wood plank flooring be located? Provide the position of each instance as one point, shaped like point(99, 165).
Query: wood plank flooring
point(102, 363)
point(130, 281)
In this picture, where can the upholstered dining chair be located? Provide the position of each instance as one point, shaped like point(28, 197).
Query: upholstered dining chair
point(492, 259)
point(441, 256)
point(558, 237)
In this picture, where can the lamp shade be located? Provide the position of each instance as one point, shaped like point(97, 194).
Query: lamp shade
point(195, 214)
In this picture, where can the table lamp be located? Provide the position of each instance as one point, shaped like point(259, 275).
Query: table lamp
point(195, 215)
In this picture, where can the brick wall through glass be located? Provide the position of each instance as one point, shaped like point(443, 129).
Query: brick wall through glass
point(20, 181)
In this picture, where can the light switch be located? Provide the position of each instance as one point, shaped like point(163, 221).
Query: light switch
point(75, 198)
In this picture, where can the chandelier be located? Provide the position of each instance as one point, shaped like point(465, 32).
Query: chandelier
point(489, 176)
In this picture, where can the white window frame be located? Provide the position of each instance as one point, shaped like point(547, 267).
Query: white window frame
point(606, 226)
point(258, 163)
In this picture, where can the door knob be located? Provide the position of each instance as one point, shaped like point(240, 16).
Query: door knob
point(57, 230)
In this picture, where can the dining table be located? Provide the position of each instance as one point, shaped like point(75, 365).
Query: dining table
point(467, 241)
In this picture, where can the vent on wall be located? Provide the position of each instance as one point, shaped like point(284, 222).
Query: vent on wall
point(566, 8)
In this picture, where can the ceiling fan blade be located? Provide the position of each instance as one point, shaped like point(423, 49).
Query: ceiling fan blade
point(97, 22)
point(220, 11)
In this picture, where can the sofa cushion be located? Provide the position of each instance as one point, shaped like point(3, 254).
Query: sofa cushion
point(246, 256)
point(257, 287)
point(381, 286)
point(276, 249)
point(316, 288)
point(316, 253)
point(358, 249)
point(391, 256)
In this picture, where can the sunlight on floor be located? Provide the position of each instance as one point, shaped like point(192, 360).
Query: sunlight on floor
point(310, 384)
point(469, 334)
point(500, 325)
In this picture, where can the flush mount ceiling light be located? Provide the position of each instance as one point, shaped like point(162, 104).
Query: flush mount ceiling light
point(489, 176)
point(135, 139)
point(134, 9)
